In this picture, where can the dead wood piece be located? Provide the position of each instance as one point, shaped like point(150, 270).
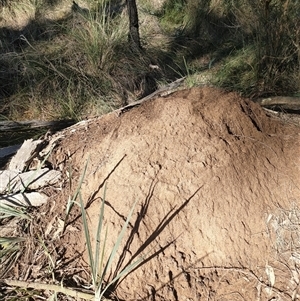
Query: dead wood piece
point(53, 141)
point(160, 92)
point(50, 287)
point(12, 182)
point(279, 100)
point(6, 179)
point(35, 179)
point(33, 124)
point(9, 150)
point(34, 199)
point(281, 103)
point(25, 155)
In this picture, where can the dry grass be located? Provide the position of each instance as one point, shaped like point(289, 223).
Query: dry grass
point(271, 37)
point(74, 66)
point(62, 62)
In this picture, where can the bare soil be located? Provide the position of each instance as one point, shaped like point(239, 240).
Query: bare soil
point(216, 180)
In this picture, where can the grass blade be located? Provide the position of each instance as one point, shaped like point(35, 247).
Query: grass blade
point(88, 241)
point(72, 200)
point(10, 211)
point(99, 230)
point(124, 272)
point(116, 247)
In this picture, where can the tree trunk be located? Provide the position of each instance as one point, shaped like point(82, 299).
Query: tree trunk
point(133, 36)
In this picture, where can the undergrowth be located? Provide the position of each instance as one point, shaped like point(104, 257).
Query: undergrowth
point(254, 45)
point(60, 61)
point(36, 245)
point(75, 66)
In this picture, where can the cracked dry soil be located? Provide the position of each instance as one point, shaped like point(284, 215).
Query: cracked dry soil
point(216, 180)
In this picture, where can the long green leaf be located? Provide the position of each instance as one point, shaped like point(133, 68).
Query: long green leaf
point(124, 272)
point(10, 211)
point(98, 290)
point(5, 241)
point(96, 262)
point(88, 241)
point(99, 230)
point(72, 201)
point(80, 182)
point(116, 246)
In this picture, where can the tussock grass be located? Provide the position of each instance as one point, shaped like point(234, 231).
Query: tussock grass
point(62, 61)
point(76, 66)
point(100, 269)
point(10, 245)
point(238, 71)
point(7, 211)
point(271, 51)
point(40, 250)
point(255, 44)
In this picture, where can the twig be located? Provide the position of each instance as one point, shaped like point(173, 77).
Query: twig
point(50, 287)
point(156, 93)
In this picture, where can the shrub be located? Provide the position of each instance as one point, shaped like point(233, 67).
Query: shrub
point(272, 46)
point(72, 67)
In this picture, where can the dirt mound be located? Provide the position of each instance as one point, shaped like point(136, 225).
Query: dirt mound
point(215, 179)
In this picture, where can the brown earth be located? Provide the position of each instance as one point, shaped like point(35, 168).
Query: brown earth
point(216, 180)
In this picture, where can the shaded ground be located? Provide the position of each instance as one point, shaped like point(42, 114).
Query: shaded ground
point(216, 182)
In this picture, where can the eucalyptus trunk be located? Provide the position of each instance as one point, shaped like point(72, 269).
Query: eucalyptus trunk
point(134, 35)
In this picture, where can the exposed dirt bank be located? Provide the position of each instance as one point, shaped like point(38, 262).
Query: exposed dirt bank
point(217, 185)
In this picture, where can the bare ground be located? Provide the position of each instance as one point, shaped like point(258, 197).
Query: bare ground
point(216, 180)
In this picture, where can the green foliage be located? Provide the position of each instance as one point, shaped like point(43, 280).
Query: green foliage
point(270, 50)
point(255, 44)
point(277, 47)
point(237, 72)
point(99, 269)
point(9, 245)
point(172, 14)
point(7, 211)
point(79, 64)
point(68, 67)
point(72, 201)
point(100, 266)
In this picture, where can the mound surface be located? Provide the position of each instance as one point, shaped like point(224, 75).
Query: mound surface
point(214, 177)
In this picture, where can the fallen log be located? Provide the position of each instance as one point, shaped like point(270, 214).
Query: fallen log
point(25, 155)
point(281, 103)
point(33, 124)
point(12, 182)
point(9, 150)
point(34, 199)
